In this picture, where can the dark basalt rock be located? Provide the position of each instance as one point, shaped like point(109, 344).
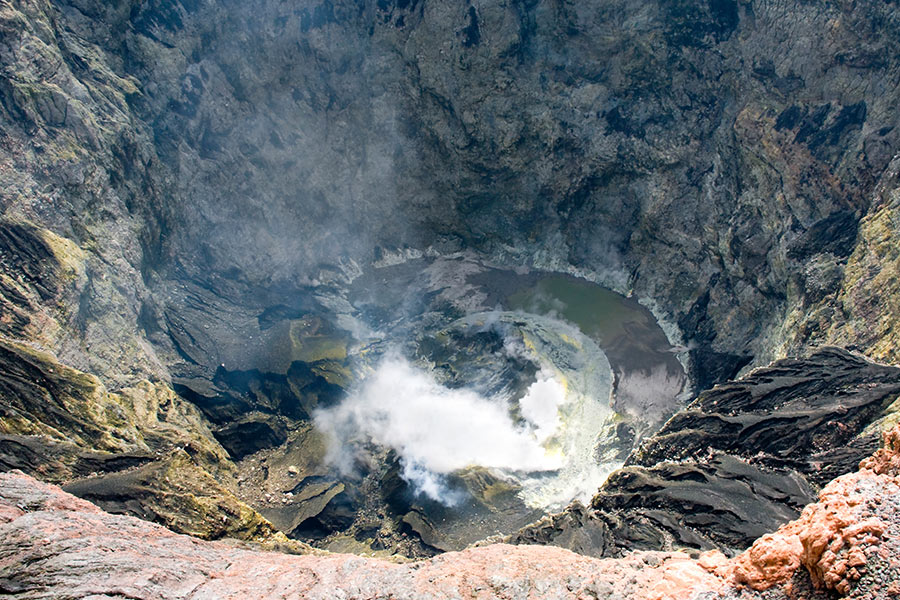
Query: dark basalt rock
point(701, 23)
point(739, 461)
point(835, 233)
point(32, 389)
point(337, 515)
point(251, 433)
point(301, 515)
point(25, 256)
point(578, 528)
point(471, 35)
point(252, 410)
point(708, 367)
point(416, 523)
point(800, 414)
point(60, 461)
point(723, 504)
point(29, 276)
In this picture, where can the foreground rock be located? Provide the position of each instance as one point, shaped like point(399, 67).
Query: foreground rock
point(53, 545)
point(847, 542)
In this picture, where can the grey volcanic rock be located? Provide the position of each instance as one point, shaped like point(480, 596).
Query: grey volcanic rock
point(607, 138)
point(81, 203)
point(740, 460)
point(658, 147)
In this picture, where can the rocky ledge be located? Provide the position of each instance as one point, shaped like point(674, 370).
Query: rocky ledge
point(741, 460)
point(54, 545)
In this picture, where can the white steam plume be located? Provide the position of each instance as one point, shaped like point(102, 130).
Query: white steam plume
point(437, 430)
point(541, 404)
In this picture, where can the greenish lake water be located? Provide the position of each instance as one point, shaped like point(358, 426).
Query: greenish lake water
point(598, 312)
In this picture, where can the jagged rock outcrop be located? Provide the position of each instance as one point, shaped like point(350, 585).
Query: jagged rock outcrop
point(738, 461)
point(53, 545)
point(81, 205)
point(142, 451)
point(817, 416)
point(860, 308)
point(838, 540)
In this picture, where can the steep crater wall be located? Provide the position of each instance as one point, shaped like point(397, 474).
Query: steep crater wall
point(191, 186)
point(660, 149)
point(704, 158)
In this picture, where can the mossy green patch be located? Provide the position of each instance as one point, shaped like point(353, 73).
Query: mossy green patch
point(312, 341)
point(45, 397)
point(870, 293)
point(70, 257)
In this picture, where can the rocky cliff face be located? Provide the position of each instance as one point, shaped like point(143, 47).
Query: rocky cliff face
point(706, 159)
point(190, 189)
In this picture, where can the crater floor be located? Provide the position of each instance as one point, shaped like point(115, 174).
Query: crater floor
point(55, 545)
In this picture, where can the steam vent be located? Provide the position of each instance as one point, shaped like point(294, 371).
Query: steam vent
point(450, 299)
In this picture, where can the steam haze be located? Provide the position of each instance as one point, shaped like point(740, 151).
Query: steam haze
point(437, 430)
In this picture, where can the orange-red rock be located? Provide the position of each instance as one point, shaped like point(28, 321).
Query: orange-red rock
point(829, 535)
